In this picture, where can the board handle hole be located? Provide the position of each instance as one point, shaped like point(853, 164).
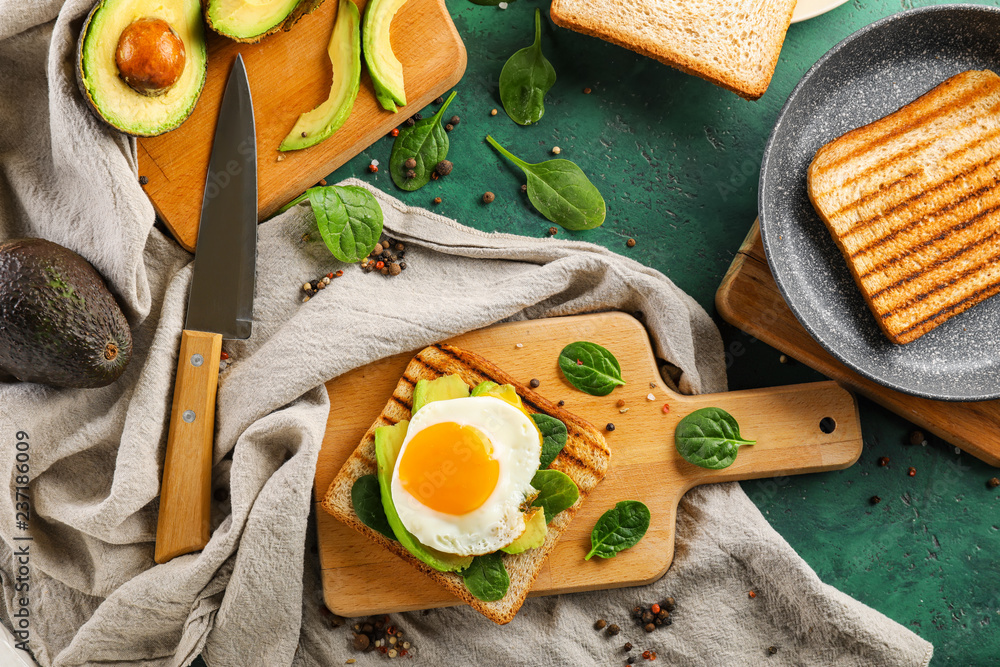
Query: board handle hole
point(827, 424)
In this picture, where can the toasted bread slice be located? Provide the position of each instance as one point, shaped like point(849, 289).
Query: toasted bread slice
point(732, 44)
point(585, 459)
point(913, 202)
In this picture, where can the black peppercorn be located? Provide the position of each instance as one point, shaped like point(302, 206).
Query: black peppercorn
point(993, 483)
point(143, 180)
point(916, 438)
point(610, 427)
point(613, 629)
point(402, 266)
point(561, 403)
point(553, 231)
point(449, 127)
point(669, 604)
point(649, 627)
point(599, 624)
point(875, 500)
point(410, 163)
point(455, 120)
point(524, 188)
point(534, 383)
point(647, 616)
point(631, 659)
point(410, 173)
point(771, 650)
point(439, 100)
point(409, 122)
point(637, 612)
point(444, 167)
point(628, 646)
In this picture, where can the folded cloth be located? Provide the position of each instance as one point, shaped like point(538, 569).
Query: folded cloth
point(252, 596)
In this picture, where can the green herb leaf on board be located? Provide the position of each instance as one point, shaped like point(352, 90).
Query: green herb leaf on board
point(619, 528)
point(710, 438)
point(590, 368)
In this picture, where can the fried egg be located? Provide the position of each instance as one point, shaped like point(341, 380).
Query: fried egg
point(463, 470)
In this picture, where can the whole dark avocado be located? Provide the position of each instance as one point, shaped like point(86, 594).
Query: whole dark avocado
point(59, 324)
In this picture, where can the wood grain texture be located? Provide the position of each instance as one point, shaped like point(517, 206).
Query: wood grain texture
point(289, 74)
point(749, 299)
point(644, 464)
point(183, 522)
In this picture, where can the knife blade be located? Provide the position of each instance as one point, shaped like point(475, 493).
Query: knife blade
point(220, 305)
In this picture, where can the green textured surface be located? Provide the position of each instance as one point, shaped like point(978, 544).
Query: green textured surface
point(677, 161)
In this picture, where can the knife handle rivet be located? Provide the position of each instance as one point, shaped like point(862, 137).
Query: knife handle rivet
point(188, 416)
point(197, 360)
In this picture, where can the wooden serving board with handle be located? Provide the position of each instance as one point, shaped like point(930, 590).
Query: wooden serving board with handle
point(290, 74)
point(360, 578)
point(749, 299)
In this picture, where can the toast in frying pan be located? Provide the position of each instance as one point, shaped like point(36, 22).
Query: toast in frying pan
point(913, 202)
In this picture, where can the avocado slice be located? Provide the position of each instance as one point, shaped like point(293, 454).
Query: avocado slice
point(250, 21)
point(388, 441)
point(345, 56)
point(166, 93)
point(534, 533)
point(59, 324)
point(440, 389)
point(383, 65)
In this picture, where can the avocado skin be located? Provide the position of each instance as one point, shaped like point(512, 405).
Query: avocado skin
point(58, 321)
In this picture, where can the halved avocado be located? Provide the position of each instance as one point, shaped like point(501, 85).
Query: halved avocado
point(250, 21)
point(345, 56)
point(166, 92)
point(383, 65)
point(388, 441)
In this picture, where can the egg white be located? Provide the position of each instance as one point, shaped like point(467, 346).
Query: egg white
point(498, 521)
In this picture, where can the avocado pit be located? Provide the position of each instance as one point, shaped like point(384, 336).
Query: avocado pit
point(150, 56)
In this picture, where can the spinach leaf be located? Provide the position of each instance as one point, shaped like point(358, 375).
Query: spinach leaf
point(427, 143)
point(367, 500)
point(349, 219)
point(525, 79)
point(560, 191)
point(590, 368)
point(710, 438)
point(619, 528)
point(556, 492)
point(487, 577)
point(554, 435)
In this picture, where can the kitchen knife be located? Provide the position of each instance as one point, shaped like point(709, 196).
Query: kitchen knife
point(220, 305)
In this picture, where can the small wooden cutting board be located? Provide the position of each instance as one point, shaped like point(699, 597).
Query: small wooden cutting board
point(289, 74)
point(360, 578)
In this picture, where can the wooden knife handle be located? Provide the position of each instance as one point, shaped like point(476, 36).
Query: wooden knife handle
point(183, 524)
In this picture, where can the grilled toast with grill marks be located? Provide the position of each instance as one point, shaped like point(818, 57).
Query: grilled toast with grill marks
point(585, 459)
point(913, 202)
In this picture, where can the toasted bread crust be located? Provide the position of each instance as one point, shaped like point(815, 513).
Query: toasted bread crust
point(585, 459)
point(913, 202)
point(590, 17)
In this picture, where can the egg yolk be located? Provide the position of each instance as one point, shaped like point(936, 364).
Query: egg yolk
point(449, 468)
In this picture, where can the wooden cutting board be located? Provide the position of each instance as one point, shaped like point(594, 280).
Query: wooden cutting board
point(749, 299)
point(289, 74)
point(361, 578)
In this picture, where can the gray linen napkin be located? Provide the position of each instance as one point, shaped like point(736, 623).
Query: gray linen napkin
point(252, 596)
